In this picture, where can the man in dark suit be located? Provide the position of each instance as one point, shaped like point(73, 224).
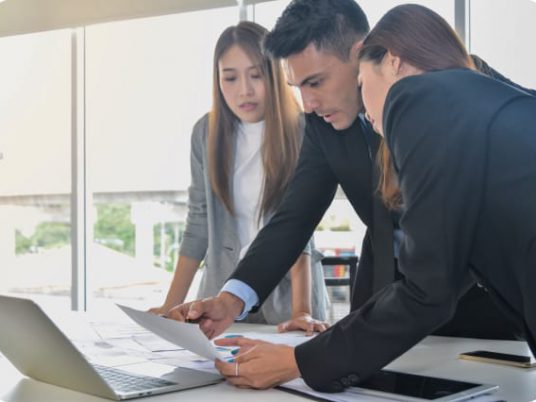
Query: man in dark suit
point(318, 41)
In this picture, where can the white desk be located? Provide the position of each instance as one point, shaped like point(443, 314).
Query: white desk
point(435, 356)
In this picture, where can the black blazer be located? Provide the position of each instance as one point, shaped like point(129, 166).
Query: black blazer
point(464, 146)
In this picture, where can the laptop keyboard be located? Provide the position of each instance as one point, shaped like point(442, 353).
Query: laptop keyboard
point(123, 381)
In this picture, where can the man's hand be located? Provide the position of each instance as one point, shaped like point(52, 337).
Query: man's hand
point(214, 314)
point(259, 364)
point(303, 322)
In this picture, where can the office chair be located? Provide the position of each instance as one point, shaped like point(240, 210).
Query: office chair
point(338, 282)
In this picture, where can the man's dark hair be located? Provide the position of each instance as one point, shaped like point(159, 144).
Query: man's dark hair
point(332, 25)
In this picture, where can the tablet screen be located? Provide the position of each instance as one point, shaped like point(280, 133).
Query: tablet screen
point(416, 386)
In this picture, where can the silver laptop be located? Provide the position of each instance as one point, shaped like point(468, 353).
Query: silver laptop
point(38, 349)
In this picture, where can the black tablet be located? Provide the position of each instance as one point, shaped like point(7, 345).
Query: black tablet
point(412, 387)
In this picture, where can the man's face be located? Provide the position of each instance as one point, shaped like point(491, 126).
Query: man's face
point(328, 85)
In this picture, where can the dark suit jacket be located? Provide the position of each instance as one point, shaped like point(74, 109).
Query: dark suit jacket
point(464, 146)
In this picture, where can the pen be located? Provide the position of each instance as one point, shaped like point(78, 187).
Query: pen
point(187, 320)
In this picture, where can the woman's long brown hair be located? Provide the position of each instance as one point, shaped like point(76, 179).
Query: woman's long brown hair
point(423, 39)
point(282, 137)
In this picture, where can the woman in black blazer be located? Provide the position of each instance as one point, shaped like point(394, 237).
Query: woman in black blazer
point(460, 163)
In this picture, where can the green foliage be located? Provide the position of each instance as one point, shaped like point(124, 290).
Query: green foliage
point(343, 227)
point(47, 235)
point(23, 244)
point(333, 224)
point(114, 229)
point(52, 234)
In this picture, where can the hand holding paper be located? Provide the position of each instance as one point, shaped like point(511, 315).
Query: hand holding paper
point(188, 336)
point(214, 314)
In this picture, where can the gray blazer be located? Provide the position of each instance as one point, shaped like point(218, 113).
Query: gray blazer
point(211, 234)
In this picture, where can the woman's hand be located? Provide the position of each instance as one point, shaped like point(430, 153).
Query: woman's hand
point(258, 364)
point(162, 310)
point(303, 322)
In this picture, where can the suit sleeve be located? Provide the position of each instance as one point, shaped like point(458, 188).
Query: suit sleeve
point(283, 239)
point(438, 221)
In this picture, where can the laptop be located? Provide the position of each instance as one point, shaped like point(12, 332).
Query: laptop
point(38, 349)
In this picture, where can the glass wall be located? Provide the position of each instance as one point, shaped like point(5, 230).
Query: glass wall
point(147, 82)
point(503, 33)
point(35, 157)
point(267, 13)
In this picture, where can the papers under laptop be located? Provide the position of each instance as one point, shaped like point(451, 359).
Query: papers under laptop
point(38, 349)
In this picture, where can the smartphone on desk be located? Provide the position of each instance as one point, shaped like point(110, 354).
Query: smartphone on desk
point(487, 356)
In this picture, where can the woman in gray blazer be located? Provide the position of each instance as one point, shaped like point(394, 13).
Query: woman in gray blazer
point(243, 154)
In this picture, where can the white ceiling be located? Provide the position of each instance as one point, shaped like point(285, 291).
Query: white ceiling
point(25, 16)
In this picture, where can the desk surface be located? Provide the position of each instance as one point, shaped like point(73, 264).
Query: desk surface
point(435, 356)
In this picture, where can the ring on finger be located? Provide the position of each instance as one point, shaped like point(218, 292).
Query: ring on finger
point(237, 372)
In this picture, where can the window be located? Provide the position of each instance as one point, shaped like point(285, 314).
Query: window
point(267, 13)
point(376, 8)
point(503, 33)
point(35, 158)
point(147, 82)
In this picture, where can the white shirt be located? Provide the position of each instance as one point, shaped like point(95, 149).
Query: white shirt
point(248, 182)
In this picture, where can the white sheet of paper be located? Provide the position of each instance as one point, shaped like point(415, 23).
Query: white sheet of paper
point(188, 336)
point(155, 343)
